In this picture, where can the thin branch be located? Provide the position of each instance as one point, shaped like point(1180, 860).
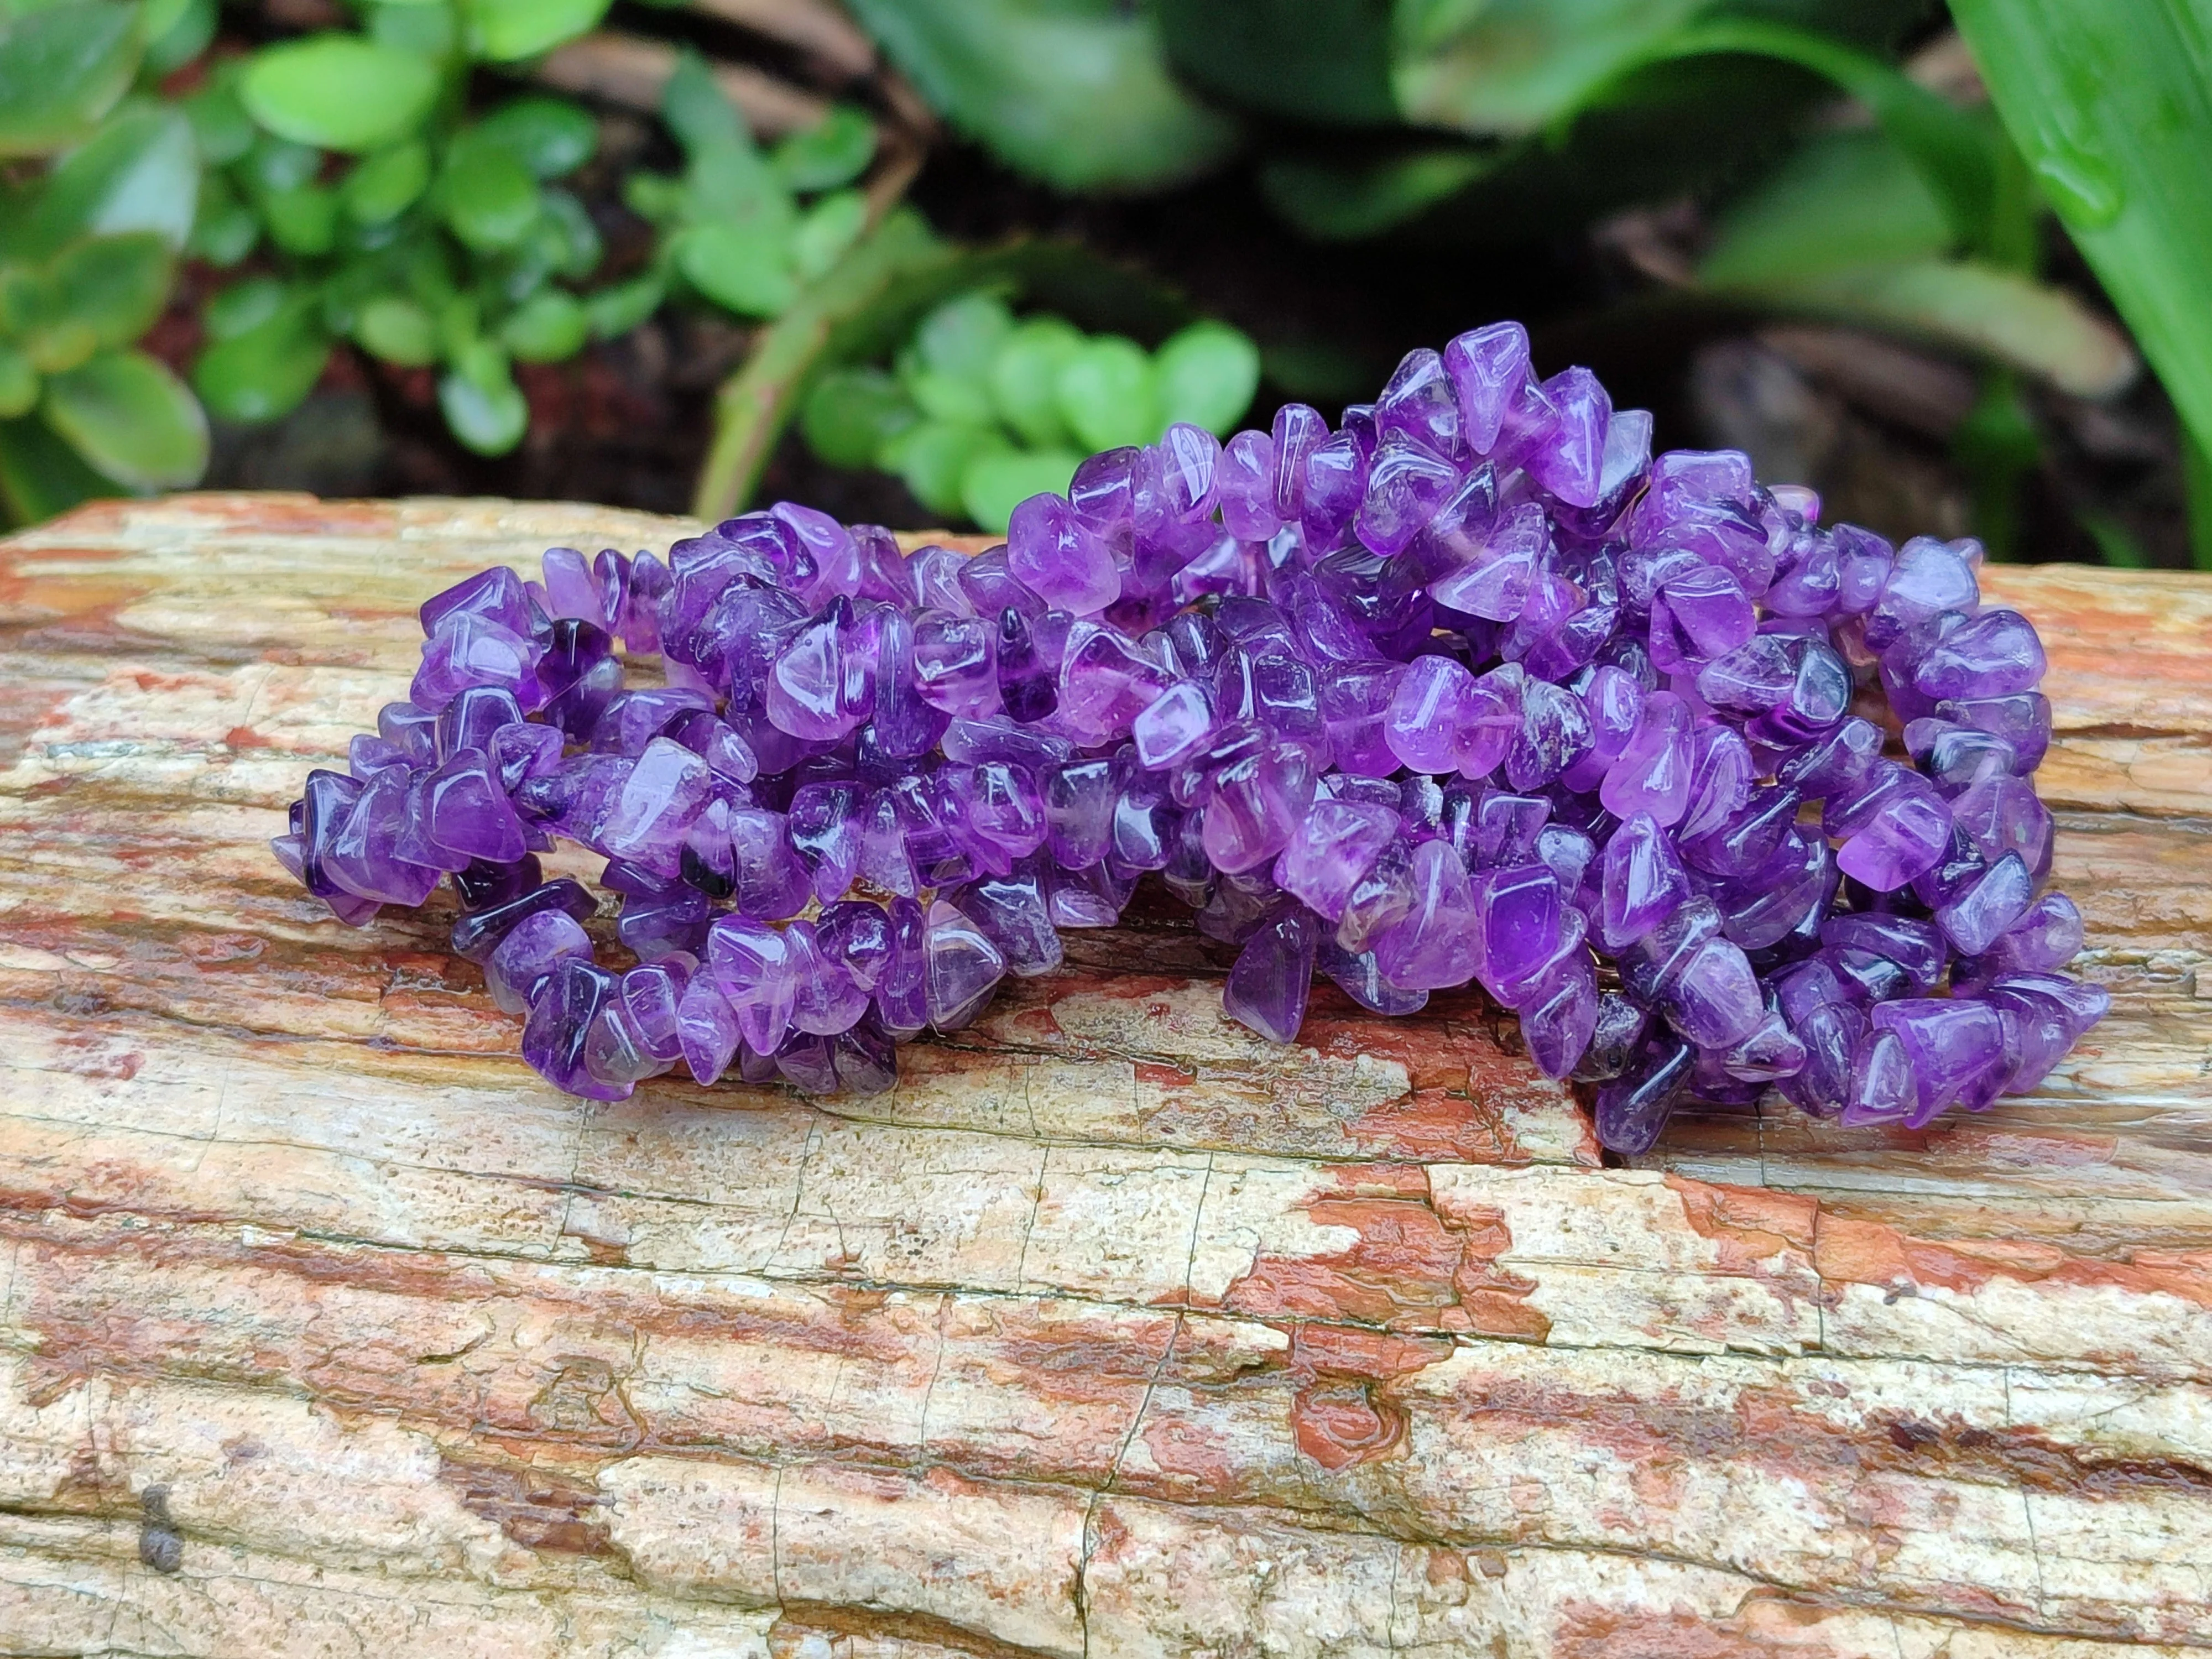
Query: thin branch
point(630, 70)
point(812, 26)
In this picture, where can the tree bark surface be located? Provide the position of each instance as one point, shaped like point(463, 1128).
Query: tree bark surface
point(326, 1327)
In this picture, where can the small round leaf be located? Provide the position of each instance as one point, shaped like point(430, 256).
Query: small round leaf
point(384, 185)
point(548, 326)
point(265, 371)
point(1024, 375)
point(338, 91)
point(933, 458)
point(502, 31)
point(63, 68)
point(826, 230)
point(19, 382)
point(851, 413)
point(961, 335)
point(742, 271)
point(302, 222)
point(1108, 395)
point(398, 331)
point(132, 419)
point(116, 286)
point(488, 198)
point(833, 151)
point(548, 136)
point(483, 405)
point(243, 306)
point(615, 311)
point(999, 481)
point(1207, 375)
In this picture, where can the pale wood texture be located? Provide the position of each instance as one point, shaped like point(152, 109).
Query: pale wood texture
point(1114, 1331)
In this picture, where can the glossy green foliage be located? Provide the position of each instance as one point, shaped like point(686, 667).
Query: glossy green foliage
point(736, 229)
point(2110, 102)
point(982, 410)
point(88, 247)
point(429, 240)
point(1074, 92)
point(62, 68)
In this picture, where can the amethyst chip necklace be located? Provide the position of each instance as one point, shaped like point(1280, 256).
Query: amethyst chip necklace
point(1471, 690)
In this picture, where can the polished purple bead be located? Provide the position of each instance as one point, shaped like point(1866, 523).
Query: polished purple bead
point(556, 1039)
point(529, 953)
point(1436, 943)
point(1334, 845)
point(1055, 554)
point(1488, 368)
point(1641, 881)
point(1273, 977)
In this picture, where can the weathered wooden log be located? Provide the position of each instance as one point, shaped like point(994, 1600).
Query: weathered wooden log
point(1113, 1331)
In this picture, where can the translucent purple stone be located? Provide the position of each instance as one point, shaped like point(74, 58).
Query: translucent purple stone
point(1472, 692)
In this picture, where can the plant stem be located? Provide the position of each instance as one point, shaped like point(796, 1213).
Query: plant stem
point(757, 404)
point(1997, 446)
point(2196, 480)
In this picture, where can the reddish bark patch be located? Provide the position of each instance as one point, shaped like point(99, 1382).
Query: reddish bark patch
point(1344, 1412)
point(537, 1509)
point(1406, 1268)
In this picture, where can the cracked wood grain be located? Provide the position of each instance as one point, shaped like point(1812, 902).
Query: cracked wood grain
point(1113, 1331)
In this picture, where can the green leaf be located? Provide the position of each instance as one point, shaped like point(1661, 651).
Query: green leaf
point(833, 151)
point(40, 475)
point(1075, 92)
point(738, 268)
point(396, 330)
point(953, 398)
point(572, 240)
point(502, 30)
point(550, 137)
point(61, 70)
point(427, 28)
point(1333, 201)
point(338, 91)
point(1952, 148)
point(266, 371)
point(302, 222)
point(115, 286)
point(139, 172)
point(386, 184)
point(186, 38)
point(487, 198)
point(653, 197)
point(19, 382)
point(243, 306)
point(998, 481)
point(852, 413)
point(276, 163)
point(483, 405)
point(871, 302)
point(1312, 60)
point(1207, 375)
point(1025, 378)
point(1516, 66)
point(1845, 199)
point(221, 125)
point(962, 337)
point(548, 327)
point(698, 112)
point(2110, 101)
point(226, 229)
point(1110, 394)
point(614, 310)
point(826, 230)
point(933, 458)
point(131, 419)
point(1999, 314)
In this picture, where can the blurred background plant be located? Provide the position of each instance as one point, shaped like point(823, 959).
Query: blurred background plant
point(1909, 255)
